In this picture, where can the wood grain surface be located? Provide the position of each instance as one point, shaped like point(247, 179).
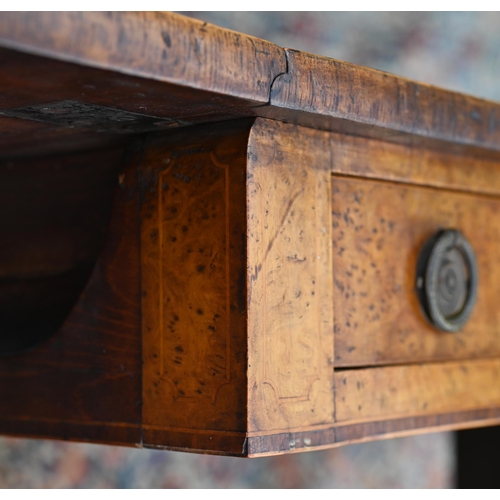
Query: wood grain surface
point(194, 314)
point(328, 92)
point(379, 230)
point(84, 383)
point(375, 159)
point(339, 435)
point(55, 214)
point(180, 55)
point(290, 348)
point(412, 390)
point(156, 45)
point(241, 229)
point(412, 164)
point(35, 93)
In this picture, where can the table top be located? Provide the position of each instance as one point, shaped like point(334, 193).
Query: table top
point(166, 70)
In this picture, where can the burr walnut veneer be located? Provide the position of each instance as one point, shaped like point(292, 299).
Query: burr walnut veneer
point(210, 243)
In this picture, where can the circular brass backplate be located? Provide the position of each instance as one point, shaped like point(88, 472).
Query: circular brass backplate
point(447, 280)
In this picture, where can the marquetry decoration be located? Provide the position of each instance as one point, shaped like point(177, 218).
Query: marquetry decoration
point(193, 296)
point(289, 280)
point(379, 229)
point(257, 289)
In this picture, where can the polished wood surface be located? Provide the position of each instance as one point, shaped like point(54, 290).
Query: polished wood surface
point(254, 290)
point(84, 383)
point(48, 106)
point(289, 285)
point(155, 45)
point(194, 384)
point(413, 164)
point(193, 286)
point(328, 92)
point(50, 239)
point(252, 77)
point(379, 231)
point(414, 390)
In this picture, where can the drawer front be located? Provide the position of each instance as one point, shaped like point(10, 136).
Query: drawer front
point(378, 230)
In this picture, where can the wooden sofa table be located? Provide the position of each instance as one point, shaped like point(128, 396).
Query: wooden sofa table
point(213, 244)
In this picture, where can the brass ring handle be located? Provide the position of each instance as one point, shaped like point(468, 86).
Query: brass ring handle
point(447, 280)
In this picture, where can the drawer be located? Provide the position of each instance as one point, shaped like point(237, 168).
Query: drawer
point(335, 227)
point(378, 231)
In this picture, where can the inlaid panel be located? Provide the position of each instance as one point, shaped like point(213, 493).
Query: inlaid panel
point(193, 295)
point(290, 311)
point(379, 229)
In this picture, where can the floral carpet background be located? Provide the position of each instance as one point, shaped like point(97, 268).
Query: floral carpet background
point(459, 51)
